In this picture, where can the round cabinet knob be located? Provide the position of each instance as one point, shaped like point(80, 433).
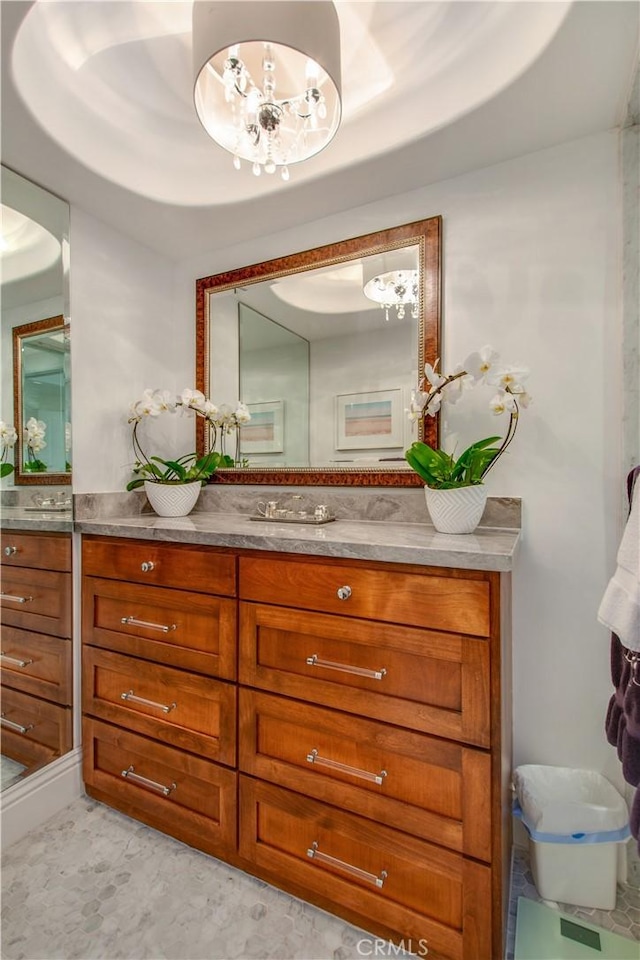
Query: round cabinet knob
point(147, 566)
point(9, 551)
point(344, 593)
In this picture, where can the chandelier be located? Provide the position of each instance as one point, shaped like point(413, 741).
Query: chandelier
point(396, 288)
point(272, 101)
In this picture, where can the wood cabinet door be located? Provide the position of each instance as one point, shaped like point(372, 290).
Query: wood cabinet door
point(422, 785)
point(418, 890)
point(39, 551)
point(433, 682)
point(34, 726)
point(183, 709)
point(459, 601)
point(38, 600)
point(180, 565)
point(182, 795)
point(37, 664)
point(188, 630)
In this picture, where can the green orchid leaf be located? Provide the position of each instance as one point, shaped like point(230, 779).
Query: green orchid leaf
point(6, 469)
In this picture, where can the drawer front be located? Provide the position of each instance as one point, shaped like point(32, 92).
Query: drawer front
point(182, 709)
point(419, 890)
point(453, 603)
point(188, 630)
point(434, 683)
point(37, 664)
point(182, 795)
point(43, 551)
point(28, 719)
point(183, 566)
point(432, 788)
point(37, 600)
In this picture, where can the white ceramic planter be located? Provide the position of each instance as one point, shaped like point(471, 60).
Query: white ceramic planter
point(458, 510)
point(172, 500)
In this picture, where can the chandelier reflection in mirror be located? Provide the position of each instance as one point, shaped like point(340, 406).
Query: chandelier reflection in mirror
point(397, 288)
point(273, 101)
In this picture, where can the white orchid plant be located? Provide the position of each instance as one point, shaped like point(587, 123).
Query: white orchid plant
point(221, 421)
point(34, 442)
point(441, 470)
point(8, 438)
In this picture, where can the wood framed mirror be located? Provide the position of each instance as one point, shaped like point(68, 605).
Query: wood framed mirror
point(42, 393)
point(324, 346)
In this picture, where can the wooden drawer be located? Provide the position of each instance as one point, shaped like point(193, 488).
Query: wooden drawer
point(46, 728)
point(37, 600)
point(432, 682)
point(432, 788)
point(181, 709)
point(188, 630)
point(37, 664)
point(459, 603)
point(183, 566)
point(42, 551)
point(419, 890)
point(185, 796)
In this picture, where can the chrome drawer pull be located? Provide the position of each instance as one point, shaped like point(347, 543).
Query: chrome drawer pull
point(14, 726)
point(148, 703)
point(314, 757)
point(152, 626)
point(8, 551)
point(129, 774)
point(344, 592)
point(9, 596)
point(14, 661)
point(316, 854)
point(147, 566)
point(315, 661)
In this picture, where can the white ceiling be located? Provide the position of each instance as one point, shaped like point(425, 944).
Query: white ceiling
point(96, 106)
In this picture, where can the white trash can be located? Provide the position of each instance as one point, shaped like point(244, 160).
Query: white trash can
point(577, 824)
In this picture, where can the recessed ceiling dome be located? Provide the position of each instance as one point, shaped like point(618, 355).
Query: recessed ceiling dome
point(26, 247)
point(112, 84)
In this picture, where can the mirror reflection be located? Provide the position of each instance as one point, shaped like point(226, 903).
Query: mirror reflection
point(42, 400)
point(36, 557)
point(325, 348)
point(35, 331)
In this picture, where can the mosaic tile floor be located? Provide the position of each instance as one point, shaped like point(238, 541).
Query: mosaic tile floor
point(10, 771)
point(624, 920)
point(91, 884)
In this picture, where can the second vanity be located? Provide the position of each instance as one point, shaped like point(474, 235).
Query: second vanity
point(327, 709)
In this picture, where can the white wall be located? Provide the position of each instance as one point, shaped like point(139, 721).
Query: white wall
point(531, 265)
point(336, 361)
point(126, 336)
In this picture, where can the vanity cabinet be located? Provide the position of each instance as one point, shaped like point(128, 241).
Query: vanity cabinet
point(371, 743)
point(159, 655)
point(36, 656)
point(359, 754)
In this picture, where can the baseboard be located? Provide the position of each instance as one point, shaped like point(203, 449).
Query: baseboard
point(28, 804)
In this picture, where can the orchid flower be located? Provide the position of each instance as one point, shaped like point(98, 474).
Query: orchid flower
point(221, 420)
point(509, 378)
point(480, 363)
point(8, 438)
point(8, 435)
point(472, 465)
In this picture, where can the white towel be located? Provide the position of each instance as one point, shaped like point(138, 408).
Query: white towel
point(620, 606)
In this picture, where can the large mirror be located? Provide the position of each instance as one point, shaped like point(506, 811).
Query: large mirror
point(324, 347)
point(37, 671)
point(36, 386)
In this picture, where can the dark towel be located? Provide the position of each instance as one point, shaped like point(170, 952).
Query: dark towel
point(622, 722)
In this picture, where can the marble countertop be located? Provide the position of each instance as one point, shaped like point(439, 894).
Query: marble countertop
point(488, 548)
point(27, 518)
